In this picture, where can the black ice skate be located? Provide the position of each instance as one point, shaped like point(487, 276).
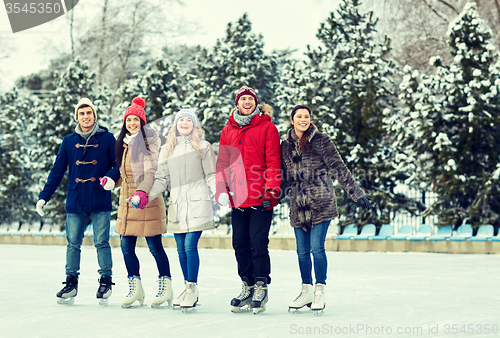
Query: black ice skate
point(68, 293)
point(242, 302)
point(104, 290)
point(260, 298)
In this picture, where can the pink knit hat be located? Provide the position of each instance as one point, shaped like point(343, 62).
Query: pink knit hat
point(137, 109)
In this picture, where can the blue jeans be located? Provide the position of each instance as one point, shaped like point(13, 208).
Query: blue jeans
point(75, 227)
point(155, 246)
point(312, 241)
point(187, 248)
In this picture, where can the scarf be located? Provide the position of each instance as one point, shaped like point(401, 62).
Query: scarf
point(244, 120)
point(128, 138)
point(88, 134)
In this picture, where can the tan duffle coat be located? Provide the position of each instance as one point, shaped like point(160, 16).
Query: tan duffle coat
point(136, 222)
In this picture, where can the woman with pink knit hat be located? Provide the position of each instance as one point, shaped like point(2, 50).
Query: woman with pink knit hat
point(137, 149)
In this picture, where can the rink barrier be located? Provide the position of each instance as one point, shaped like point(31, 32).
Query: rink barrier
point(287, 242)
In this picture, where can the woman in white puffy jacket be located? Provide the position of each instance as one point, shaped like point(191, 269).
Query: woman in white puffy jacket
point(187, 167)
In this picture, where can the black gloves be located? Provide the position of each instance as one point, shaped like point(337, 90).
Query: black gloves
point(365, 202)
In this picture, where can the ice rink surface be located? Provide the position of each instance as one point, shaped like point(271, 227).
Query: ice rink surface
point(368, 295)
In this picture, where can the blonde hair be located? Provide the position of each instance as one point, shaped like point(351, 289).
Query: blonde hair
point(197, 135)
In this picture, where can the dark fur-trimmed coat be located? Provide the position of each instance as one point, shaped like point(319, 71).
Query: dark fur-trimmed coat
point(305, 176)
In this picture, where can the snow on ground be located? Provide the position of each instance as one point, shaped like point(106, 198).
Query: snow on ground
point(369, 295)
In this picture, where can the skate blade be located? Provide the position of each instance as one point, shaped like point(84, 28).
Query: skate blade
point(318, 312)
point(187, 309)
point(132, 306)
point(66, 301)
point(244, 308)
point(103, 301)
point(257, 310)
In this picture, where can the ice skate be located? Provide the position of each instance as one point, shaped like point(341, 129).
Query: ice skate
point(190, 299)
point(136, 292)
point(68, 293)
point(318, 304)
point(305, 298)
point(177, 302)
point(260, 298)
point(104, 290)
point(164, 292)
point(244, 299)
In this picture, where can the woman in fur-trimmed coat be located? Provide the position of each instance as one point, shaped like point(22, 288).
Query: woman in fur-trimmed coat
point(307, 157)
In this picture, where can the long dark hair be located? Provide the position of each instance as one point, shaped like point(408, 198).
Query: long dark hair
point(305, 136)
point(143, 147)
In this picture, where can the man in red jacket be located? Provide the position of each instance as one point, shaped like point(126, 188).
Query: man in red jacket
point(248, 179)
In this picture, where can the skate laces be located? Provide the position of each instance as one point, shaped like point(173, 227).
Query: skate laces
point(131, 286)
point(259, 292)
point(245, 292)
point(67, 288)
point(189, 289)
point(104, 284)
point(161, 287)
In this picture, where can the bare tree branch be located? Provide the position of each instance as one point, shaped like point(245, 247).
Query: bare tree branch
point(446, 3)
point(433, 9)
point(497, 5)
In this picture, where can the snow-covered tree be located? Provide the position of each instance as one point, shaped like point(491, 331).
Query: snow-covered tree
point(455, 115)
point(355, 91)
point(162, 87)
point(235, 61)
point(298, 85)
point(17, 201)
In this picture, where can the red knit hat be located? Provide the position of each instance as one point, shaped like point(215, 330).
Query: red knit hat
point(245, 91)
point(137, 109)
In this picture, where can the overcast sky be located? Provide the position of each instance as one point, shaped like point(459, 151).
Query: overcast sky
point(283, 24)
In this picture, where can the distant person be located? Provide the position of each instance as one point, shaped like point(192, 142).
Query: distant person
point(307, 157)
point(89, 153)
point(187, 167)
point(248, 179)
point(136, 151)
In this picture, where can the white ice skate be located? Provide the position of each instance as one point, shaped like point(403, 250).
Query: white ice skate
point(104, 291)
point(190, 299)
point(260, 298)
point(136, 292)
point(305, 298)
point(164, 292)
point(177, 302)
point(318, 304)
point(244, 299)
point(68, 293)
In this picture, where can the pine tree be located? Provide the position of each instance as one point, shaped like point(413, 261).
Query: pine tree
point(235, 61)
point(298, 85)
point(17, 201)
point(355, 93)
point(455, 117)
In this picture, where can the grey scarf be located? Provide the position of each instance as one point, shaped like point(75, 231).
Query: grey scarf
point(243, 120)
point(88, 134)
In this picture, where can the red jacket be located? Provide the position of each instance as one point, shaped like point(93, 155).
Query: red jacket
point(249, 161)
